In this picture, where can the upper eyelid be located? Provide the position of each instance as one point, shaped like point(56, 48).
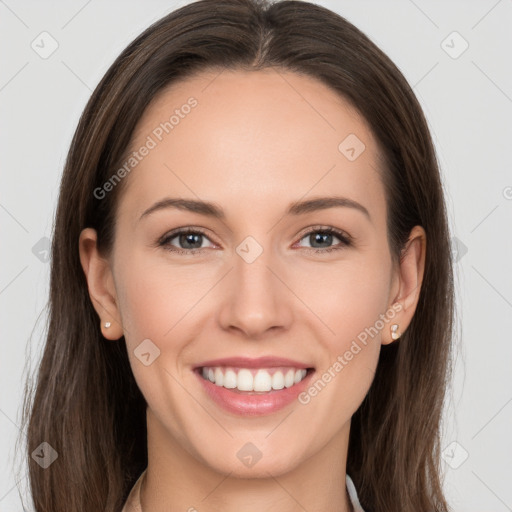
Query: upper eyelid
point(315, 228)
point(180, 231)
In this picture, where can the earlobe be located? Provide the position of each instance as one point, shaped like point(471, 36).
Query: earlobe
point(100, 284)
point(410, 278)
point(394, 330)
point(395, 333)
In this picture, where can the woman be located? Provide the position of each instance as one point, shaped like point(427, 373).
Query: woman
point(205, 351)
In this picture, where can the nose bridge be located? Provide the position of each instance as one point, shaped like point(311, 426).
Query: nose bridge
point(251, 270)
point(256, 299)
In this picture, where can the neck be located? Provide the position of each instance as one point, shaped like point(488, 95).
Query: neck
point(176, 480)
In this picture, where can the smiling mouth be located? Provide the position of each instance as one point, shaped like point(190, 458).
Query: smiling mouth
point(253, 380)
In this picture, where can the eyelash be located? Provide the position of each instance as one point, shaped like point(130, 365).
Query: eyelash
point(345, 240)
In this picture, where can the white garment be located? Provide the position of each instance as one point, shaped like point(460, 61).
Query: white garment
point(133, 501)
point(351, 488)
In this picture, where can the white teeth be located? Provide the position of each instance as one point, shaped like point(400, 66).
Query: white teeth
point(299, 375)
point(261, 380)
point(289, 378)
point(219, 377)
point(278, 380)
point(245, 380)
point(230, 380)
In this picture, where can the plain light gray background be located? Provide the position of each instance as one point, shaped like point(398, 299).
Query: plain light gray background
point(467, 97)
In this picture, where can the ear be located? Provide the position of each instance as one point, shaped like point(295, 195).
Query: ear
point(101, 284)
point(408, 280)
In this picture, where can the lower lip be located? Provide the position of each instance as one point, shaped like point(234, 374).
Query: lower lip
point(252, 403)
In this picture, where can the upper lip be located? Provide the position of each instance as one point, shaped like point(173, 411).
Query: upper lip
point(258, 362)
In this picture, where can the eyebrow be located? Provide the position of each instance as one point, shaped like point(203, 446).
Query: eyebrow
point(211, 209)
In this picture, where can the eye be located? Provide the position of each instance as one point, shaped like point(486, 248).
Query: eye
point(320, 237)
point(189, 241)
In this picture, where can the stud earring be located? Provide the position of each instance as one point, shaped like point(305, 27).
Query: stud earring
point(107, 325)
point(395, 334)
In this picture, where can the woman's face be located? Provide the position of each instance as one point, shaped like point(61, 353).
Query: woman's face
point(258, 277)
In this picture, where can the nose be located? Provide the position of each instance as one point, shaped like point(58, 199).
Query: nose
point(255, 299)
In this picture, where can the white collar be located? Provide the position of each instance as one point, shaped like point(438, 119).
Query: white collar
point(351, 488)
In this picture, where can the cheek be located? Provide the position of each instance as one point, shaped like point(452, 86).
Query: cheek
point(154, 296)
point(351, 306)
point(349, 296)
point(140, 302)
point(154, 300)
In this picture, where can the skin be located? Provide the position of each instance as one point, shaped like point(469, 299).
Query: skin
point(256, 142)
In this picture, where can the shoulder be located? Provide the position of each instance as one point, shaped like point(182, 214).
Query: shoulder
point(132, 503)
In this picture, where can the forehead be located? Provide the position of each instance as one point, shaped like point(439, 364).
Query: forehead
point(252, 137)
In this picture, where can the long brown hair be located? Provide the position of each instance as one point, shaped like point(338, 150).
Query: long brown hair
point(86, 403)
